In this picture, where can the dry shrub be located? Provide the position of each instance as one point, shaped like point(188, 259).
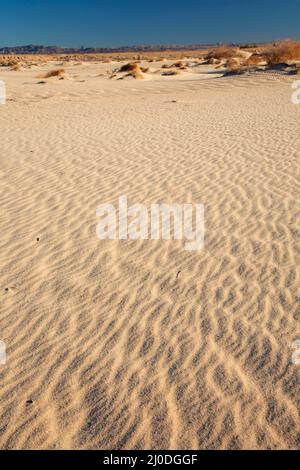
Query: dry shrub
point(130, 67)
point(233, 63)
point(8, 63)
point(223, 52)
point(16, 67)
point(179, 64)
point(133, 70)
point(135, 74)
point(282, 52)
point(254, 59)
point(54, 73)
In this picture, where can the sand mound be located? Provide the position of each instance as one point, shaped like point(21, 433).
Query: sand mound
point(171, 72)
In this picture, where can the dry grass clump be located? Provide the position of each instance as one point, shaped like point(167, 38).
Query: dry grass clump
point(7, 62)
point(16, 67)
point(130, 67)
point(179, 64)
point(254, 59)
point(136, 75)
point(223, 52)
point(54, 73)
point(233, 63)
point(282, 52)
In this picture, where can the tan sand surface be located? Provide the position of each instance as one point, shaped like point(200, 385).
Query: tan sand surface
point(142, 344)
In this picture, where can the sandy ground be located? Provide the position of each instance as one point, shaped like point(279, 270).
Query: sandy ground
point(141, 344)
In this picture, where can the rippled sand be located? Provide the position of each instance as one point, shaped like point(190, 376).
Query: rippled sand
point(141, 344)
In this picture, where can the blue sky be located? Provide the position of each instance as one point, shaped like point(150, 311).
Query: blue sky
point(111, 23)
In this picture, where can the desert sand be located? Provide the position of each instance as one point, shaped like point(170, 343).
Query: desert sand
point(141, 344)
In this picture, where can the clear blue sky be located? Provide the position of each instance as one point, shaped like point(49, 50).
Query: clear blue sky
point(110, 23)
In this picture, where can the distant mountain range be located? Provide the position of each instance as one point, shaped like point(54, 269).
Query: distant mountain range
point(36, 49)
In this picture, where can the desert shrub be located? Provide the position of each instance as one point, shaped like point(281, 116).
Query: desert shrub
point(254, 59)
point(135, 74)
point(16, 67)
point(223, 52)
point(232, 63)
point(130, 67)
point(282, 52)
point(7, 63)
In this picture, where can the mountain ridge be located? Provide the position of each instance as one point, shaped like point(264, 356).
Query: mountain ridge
point(39, 49)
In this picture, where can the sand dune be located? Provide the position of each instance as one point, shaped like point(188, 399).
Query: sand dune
point(141, 344)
